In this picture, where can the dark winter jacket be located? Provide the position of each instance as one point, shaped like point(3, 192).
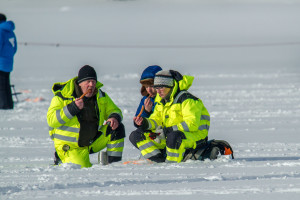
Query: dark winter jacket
point(145, 113)
point(8, 46)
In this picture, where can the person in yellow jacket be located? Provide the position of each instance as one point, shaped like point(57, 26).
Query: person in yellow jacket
point(83, 119)
point(179, 122)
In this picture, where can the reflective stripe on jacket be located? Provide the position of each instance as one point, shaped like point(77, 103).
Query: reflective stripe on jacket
point(63, 127)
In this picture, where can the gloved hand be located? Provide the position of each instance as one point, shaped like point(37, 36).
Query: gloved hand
point(160, 135)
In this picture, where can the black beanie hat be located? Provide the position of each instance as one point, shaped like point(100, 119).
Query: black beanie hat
point(2, 18)
point(85, 73)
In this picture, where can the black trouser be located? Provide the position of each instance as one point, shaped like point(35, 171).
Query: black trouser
point(6, 101)
point(173, 139)
point(117, 134)
point(138, 136)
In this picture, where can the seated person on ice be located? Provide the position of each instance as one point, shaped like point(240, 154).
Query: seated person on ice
point(76, 119)
point(147, 90)
point(179, 121)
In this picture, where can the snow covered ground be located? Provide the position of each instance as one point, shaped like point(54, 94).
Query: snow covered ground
point(245, 59)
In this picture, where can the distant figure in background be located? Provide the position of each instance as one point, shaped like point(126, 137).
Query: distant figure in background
point(83, 119)
point(8, 48)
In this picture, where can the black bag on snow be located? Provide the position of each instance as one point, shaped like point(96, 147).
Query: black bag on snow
point(211, 150)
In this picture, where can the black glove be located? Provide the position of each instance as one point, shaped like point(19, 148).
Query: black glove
point(176, 75)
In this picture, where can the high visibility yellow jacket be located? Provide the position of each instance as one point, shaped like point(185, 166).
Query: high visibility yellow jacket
point(184, 112)
point(63, 126)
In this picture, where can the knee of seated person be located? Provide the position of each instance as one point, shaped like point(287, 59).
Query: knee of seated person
point(174, 139)
point(136, 136)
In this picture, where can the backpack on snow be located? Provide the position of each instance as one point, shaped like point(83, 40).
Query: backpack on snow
point(211, 150)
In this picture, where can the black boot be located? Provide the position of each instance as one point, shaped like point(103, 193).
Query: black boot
point(159, 158)
point(112, 159)
point(105, 159)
